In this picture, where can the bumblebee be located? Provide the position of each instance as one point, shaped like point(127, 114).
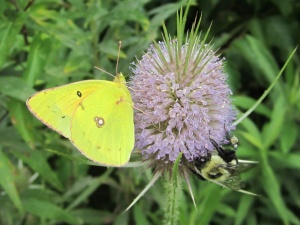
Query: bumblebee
point(223, 168)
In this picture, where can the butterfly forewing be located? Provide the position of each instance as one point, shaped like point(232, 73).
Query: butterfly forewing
point(73, 110)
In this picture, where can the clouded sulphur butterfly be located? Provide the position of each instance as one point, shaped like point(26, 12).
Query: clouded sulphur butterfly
point(95, 115)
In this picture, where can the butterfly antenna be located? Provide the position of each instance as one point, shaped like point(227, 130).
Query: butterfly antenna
point(98, 68)
point(120, 44)
point(140, 110)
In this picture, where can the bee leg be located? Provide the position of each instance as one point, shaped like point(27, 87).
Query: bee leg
point(232, 139)
point(226, 155)
point(219, 148)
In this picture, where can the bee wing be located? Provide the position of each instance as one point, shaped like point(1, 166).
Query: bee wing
point(226, 185)
point(235, 181)
point(247, 192)
point(241, 167)
point(245, 165)
point(248, 161)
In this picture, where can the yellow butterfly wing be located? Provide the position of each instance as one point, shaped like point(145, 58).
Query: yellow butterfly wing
point(96, 115)
point(100, 127)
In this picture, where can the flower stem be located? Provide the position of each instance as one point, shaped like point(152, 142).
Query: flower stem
point(173, 190)
point(173, 193)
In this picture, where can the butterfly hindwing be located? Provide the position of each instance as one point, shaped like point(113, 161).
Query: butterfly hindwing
point(102, 127)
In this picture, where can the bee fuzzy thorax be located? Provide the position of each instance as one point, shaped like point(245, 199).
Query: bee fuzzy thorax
point(213, 170)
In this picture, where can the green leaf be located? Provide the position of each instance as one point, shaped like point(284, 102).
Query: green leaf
point(38, 162)
point(245, 102)
point(285, 7)
point(226, 210)
point(262, 58)
point(209, 204)
point(122, 219)
point(273, 129)
point(244, 207)
point(93, 185)
point(252, 135)
point(93, 216)
point(290, 160)
point(140, 215)
point(39, 50)
point(15, 88)
point(267, 91)
point(73, 158)
point(7, 181)
point(288, 136)
point(163, 12)
point(3, 6)
point(8, 33)
point(272, 189)
point(20, 117)
point(47, 210)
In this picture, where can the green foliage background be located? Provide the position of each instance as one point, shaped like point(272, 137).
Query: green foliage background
point(45, 43)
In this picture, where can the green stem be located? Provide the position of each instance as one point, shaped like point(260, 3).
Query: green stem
point(173, 192)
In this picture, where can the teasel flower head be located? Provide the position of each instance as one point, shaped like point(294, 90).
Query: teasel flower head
point(183, 100)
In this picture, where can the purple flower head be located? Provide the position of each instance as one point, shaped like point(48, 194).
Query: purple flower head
point(183, 100)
